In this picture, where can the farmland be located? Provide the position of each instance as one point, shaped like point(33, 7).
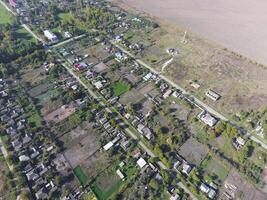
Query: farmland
point(5, 16)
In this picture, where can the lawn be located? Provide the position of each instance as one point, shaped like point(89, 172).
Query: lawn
point(214, 166)
point(5, 16)
point(80, 175)
point(119, 88)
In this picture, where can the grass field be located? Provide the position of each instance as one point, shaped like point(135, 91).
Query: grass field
point(24, 34)
point(102, 195)
point(80, 175)
point(35, 118)
point(48, 95)
point(213, 166)
point(5, 16)
point(119, 88)
point(64, 17)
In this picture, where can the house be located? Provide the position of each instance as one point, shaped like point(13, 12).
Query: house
point(145, 131)
point(50, 36)
point(195, 85)
point(98, 85)
point(204, 188)
point(167, 94)
point(212, 194)
point(125, 144)
point(186, 168)
point(80, 66)
point(176, 94)
point(32, 175)
point(136, 153)
point(67, 34)
point(108, 145)
point(41, 194)
point(207, 118)
point(13, 3)
point(213, 95)
point(149, 77)
point(119, 56)
point(120, 174)
point(176, 164)
point(24, 158)
point(174, 197)
point(141, 162)
point(238, 143)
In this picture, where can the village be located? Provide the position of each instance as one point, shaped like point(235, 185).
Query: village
point(91, 120)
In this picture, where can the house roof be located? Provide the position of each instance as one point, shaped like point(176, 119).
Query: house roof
point(141, 162)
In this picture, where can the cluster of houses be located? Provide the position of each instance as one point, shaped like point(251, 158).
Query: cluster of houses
point(28, 152)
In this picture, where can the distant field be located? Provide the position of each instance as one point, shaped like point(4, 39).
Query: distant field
point(238, 25)
point(5, 16)
point(241, 83)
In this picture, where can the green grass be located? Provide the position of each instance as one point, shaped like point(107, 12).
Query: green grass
point(5, 16)
point(102, 195)
point(80, 175)
point(119, 88)
point(35, 118)
point(24, 34)
point(213, 166)
point(48, 95)
point(64, 17)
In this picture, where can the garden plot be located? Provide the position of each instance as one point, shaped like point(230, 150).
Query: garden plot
point(96, 163)
point(100, 67)
point(97, 51)
point(106, 184)
point(81, 150)
point(60, 114)
point(237, 187)
point(39, 89)
point(33, 76)
point(193, 151)
point(214, 166)
point(76, 135)
point(132, 96)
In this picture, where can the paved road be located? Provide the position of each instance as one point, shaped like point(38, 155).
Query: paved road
point(127, 130)
point(67, 41)
point(33, 34)
point(194, 100)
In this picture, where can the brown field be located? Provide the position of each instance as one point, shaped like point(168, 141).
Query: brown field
point(193, 151)
point(82, 150)
point(60, 114)
point(243, 188)
point(241, 83)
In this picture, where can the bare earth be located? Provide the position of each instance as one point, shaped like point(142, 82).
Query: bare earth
point(238, 25)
